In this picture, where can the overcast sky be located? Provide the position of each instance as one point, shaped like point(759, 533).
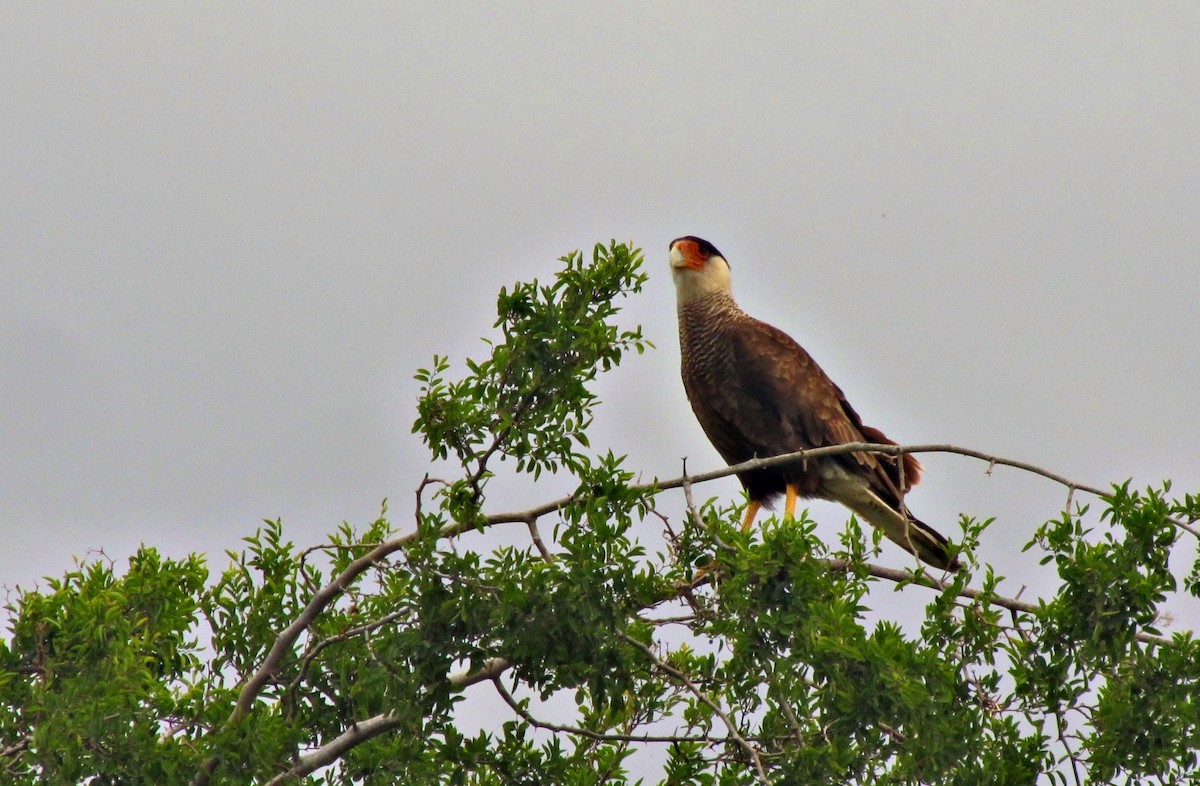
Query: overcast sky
point(230, 234)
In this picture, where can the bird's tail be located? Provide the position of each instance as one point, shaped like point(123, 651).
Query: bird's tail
point(900, 527)
point(928, 544)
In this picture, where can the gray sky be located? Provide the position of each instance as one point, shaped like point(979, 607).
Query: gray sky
point(229, 235)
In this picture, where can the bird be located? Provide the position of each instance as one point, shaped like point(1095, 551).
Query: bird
point(757, 393)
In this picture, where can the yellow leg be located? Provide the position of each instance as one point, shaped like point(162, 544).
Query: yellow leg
point(789, 503)
point(703, 571)
point(751, 512)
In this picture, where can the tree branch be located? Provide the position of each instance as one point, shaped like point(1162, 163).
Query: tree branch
point(333, 750)
point(929, 582)
point(317, 647)
point(372, 727)
point(596, 736)
point(11, 751)
point(824, 452)
point(684, 680)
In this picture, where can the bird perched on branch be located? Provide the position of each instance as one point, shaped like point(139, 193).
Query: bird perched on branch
point(757, 394)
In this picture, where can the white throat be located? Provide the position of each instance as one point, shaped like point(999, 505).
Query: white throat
point(691, 284)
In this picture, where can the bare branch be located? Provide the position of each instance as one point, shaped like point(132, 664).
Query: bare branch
point(490, 670)
point(686, 482)
point(538, 543)
point(815, 453)
point(337, 747)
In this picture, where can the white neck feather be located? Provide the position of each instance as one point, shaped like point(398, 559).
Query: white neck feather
point(693, 284)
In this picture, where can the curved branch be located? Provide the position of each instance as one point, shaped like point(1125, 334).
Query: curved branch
point(333, 750)
point(596, 736)
point(824, 452)
point(372, 727)
point(316, 648)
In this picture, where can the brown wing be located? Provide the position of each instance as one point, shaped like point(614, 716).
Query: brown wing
point(812, 411)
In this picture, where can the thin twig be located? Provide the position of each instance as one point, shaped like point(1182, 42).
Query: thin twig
point(318, 646)
point(687, 495)
point(425, 481)
point(19, 746)
point(684, 680)
point(929, 582)
point(786, 708)
point(1061, 726)
point(529, 718)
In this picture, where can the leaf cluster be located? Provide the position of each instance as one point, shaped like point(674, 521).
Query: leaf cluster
point(531, 399)
point(95, 667)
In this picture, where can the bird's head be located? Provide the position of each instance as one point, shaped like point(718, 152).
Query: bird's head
point(698, 269)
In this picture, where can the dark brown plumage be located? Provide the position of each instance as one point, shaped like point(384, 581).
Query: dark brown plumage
point(757, 393)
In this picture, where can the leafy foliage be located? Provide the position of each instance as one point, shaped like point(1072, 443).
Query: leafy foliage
point(365, 659)
point(531, 399)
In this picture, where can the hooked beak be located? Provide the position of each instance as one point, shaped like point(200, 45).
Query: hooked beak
point(686, 254)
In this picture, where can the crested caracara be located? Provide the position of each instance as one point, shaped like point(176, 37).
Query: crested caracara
point(758, 394)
